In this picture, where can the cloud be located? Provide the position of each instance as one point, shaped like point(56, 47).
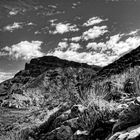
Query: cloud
point(62, 45)
point(93, 21)
point(134, 32)
point(31, 24)
point(13, 12)
point(61, 28)
point(74, 46)
point(12, 27)
point(129, 44)
point(84, 57)
point(101, 53)
point(69, 51)
point(3, 53)
point(76, 39)
point(94, 32)
point(24, 50)
point(75, 5)
point(116, 44)
point(5, 76)
point(70, 46)
point(52, 6)
point(95, 46)
point(73, 39)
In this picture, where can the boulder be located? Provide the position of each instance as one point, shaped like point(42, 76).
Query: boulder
point(68, 117)
point(73, 123)
point(101, 130)
point(60, 119)
point(137, 100)
point(80, 135)
point(121, 107)
point(127, 118)
point(64, 133)
point(130, 86)
point(46, 126)
point(61, 133)
point(131, 133)
point(76, 110)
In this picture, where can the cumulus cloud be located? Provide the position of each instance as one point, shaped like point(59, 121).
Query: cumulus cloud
point(62, 28)
point(76, 39)
point(52, 6)
point(12, 27)
point(74, 46)
point(70, 46)
point(3, 53)
point(93, 21)
point(101, 53)
point(116, 44)
point(74, 5)
point(24, 50)
point(95, 46)
point(5, 76)
point(129, 44)
point(13, 12)
point(94, 32)
point(62, 45)
point(134, 32)
point(73, 39)
point(84, 57)
point(31, 24)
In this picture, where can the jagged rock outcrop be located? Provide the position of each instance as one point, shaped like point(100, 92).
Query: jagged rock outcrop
point(131, 133)
point(129, 60)
point(66, 124)
point(57, 96)
point(39, 65)
point(128, 117)
point(60, 125)
point(128, 125)
point(41, 79)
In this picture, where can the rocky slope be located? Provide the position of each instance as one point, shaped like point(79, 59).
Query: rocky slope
point(129, 60)
point(120, 81)
point(33, 94)
point(41, 77)
point(52, 99)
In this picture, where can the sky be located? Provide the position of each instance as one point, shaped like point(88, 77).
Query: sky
point(96, 32)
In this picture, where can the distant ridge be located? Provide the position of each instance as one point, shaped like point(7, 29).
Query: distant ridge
point(125, 62)
point(36, 71)
point(39, 65)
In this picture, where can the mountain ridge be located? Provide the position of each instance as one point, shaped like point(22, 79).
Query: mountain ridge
point(40, 74)
point(128, 60)
point(52, 62)
point(53, 100)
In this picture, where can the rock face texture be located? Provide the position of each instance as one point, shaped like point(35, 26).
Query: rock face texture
point(54, 99)
point(42, 101)
point(39, 65)
point(125, 62)
point(36, 82)
point(127, 127)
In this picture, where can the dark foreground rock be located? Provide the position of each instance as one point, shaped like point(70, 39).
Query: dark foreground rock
point(72, 124)
point(128, 117)
point(131, 133)
point(61, 125)
point(128, 125)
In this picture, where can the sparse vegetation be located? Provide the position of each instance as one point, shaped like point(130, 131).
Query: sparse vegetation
point(63, 98)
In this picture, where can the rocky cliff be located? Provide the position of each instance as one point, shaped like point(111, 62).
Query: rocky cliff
point(54, 99)
point(42, 75)
point(127, 61)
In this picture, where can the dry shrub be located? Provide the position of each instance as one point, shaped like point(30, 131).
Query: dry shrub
point(96, 109)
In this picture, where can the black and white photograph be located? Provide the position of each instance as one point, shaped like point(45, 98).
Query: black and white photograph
point(69, 69)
